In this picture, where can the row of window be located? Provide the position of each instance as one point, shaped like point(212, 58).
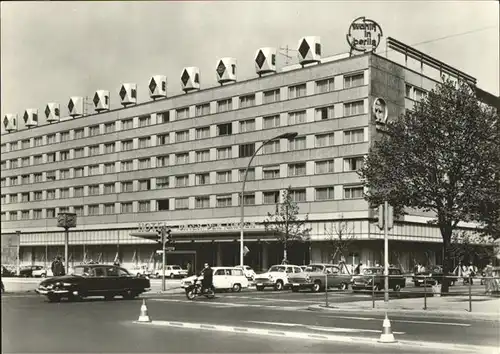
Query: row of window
point(200, 202)
point(224, 105)
point(268, 172)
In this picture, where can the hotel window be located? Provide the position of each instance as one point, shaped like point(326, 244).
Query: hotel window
point(64, 193)
point(247, 125)
point(325, 113)
point(127, 166)
point(126, 208)
point(63, 210)
point(94, 150)
point(272, 197)
point(3, 217)
point(109, 128)
point(3, 147)
point(14, 162)
point(37, 159)
point(14, 181)
point(182, 181)
point(109, 168)
point(25, 144)
point(224, 201)
point(224, 129)
point(224, 105)
point(78, 210)
point(25, 197)
point(127, 186)
point(13, 198)
point(353, 108)
point(144, 121)
point(144, 142)
point(127, 145)
point(202, 133)
point(326, 85)
point(181, 203)
point(202, 202)
point(64, 155)
point(94, 210)
point(163, 204)
point(247, 101)
point(51, 139)
point(418, 94)
point(271, 147)
point(162, 161)
point(354, 80)
point(202, 179)
point(13, 215)
point(324, 166)
point(38, 141)
point(37, 195)
point(64, 174)
point(271, 172)
point(25, 161)
point(38, 177)
point(163, 139)
point(353, 192)
point(271, 122)
point(3, 165)
point(202, 156)
point(25, 179)
point(77, 192)
point(50, 213)
point(246, 150)
point(202, 109)
point(78, 133)
point(248, 199)
point(64, 136)
point(353, 163)
point(297, 144)
point(109, 188)
point(224, 176)
point(163, 117)
point(325, 193)
point(250, 175)
point(162, 182)
point(324, 140)
point(144, 163)
point(271, 96)
point(296, 169)
point(224, 153)
point(25, 215)
point(109, 148)
point(51, 194)
point(182, 158)
point(298, 195)
point(127, 124)
point(51, 176)
point(93, 170)
point(78, 172)
point(181, 136)
point(354, 136)
point(3, 182)
point(3, 199)
point(94, 189)
point(94, 130)
point(14, 146)
point(79, 153)
point(296, 117)
point(37, 214)
point(182, 113)
point(144, 206)
point(297, 91)
point(144, 185)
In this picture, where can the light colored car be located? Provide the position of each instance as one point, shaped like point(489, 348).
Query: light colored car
point(42, 272)
point(139, 270)
point(248, 271)
point(224, 278)
point(314, 277)
point(171, 271)
point(276, 277)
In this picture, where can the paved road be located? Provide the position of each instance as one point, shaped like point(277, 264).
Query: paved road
point(95, 325)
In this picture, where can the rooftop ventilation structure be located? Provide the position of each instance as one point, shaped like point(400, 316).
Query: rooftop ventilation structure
point(158, 87)
point(52, 112)
point(309, 50)
point(265, 61)
point(226, 70)
point(10, 122)
point(101, 101)
point(128, 94)
point(190, 79)
point(75, 106)
point(30, 117)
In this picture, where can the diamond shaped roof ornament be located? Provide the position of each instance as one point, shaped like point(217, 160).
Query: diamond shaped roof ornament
point(185, 77)
point(47, 111)
point(123, 92)
point(96, 99)
point(152, 86)
point(71, 105)
point(304, 48)
point(261, 58)
point(25, 117)
point(221, 68)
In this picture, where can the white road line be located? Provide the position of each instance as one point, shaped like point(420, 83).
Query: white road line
point(278, 300)
point(322, 328)
point(405, 321)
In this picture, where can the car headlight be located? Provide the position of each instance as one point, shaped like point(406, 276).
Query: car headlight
point(308, 278)
point(430, 274)
point(352, 279)
point(270, 277)
point(66, 284)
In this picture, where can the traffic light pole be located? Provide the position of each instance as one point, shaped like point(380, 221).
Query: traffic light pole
point(386, 252)
point(163, 232)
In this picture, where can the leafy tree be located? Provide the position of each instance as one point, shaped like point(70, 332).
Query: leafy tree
point(285, 223)
point(339, 236)
point(465, 248)
point(441, 157)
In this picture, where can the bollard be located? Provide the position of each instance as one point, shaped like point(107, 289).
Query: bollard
point(470, 293)
point(425, 293)
point(373, 291)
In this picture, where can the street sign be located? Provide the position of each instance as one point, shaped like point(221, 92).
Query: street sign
point(169, 249)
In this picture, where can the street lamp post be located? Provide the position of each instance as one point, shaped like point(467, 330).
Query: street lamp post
point(288, 136)
point(67, 221)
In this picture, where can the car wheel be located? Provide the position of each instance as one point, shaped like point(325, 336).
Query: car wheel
point(190, 294)
point(129, 294)
point(138, 274)
point(54, 298)
point(278, 286)
point(343, 286)
point(172, 276)
point(316, 286)
point(295, 289)
point(43, 275)
point(397, 287)
point(259, 288)
point(236, 288)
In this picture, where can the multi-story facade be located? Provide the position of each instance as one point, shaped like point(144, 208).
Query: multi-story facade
point(180, 161)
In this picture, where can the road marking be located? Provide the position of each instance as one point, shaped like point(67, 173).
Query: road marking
point(216, 304)
point(322, 328)
point(278, 300)
point(406, 321)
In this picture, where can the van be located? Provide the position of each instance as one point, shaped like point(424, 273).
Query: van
point(224, 278)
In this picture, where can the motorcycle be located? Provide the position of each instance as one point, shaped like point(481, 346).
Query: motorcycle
point(194, 290)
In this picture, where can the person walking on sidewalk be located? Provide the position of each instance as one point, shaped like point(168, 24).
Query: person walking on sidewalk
point(57, 267)
point(489, 282)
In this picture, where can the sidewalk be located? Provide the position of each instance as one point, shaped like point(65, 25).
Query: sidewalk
point(483, 307)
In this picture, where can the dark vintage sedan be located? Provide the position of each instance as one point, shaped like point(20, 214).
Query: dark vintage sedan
point(372, 278)
point(94, 280)
point(432, 276)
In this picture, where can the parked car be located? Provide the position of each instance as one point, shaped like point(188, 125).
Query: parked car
point(313, 278)
point(432, 276)
point(372, 278)
point(94, 280)
point(27, 271)
point(276, 277)
point(224, 278)
point(6, 272)
point(248, 272)
point(42, 272)
point(171, 271)
point(139, 270)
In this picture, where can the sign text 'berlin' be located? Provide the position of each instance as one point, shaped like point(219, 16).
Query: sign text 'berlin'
point(364, 35)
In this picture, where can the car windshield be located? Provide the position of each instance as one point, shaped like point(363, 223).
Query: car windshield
point(82, 271)
point(277, 269)
point(315, 268)
point(372, 271)
point(176, 267)
point(435, 269)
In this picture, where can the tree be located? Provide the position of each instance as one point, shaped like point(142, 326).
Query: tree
point(339, 236)
point(466, 247)
point(441, 157)
point(285, 223)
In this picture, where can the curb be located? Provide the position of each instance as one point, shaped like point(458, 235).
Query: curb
point(482, 316)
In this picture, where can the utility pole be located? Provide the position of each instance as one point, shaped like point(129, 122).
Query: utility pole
point(286, 53)
point(385, 222)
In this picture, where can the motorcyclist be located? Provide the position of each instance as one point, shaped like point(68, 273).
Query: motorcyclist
point(207, 281)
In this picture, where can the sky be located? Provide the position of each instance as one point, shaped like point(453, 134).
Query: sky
point(53, 50)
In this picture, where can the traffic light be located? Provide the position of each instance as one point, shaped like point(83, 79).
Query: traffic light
point(159, 240)
point(381, 217)
point(168, 236)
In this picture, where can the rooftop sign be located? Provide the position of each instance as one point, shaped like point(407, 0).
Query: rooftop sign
point(364, 35)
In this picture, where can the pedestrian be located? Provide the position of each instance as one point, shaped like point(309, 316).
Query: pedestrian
point(207, 281)
point(471, 273)
point(489, 282)
point(357, 271)
point(189, 269)
point(57, 267)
